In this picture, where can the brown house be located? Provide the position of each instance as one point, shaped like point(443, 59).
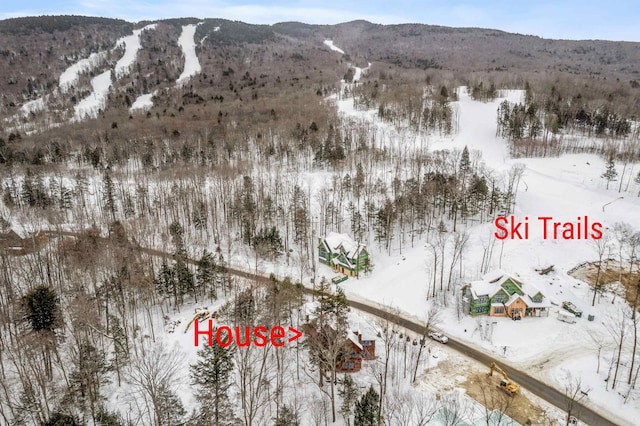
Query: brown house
point(350, 361)
point(353, 349)
point(11, 242)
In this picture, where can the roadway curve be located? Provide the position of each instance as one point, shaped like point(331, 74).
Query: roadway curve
point(535, 386)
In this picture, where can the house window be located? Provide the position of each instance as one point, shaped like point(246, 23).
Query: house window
point(348, 365)
point(499, 299)
point(482, 299)
point(498, 310)
point(481, 309)
point(367, 342)
point(537, 299)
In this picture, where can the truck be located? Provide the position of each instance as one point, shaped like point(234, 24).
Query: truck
point(566, 317)
point(568, 306)
point(337, 279)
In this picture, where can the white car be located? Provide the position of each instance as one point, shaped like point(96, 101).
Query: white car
point(438, 337)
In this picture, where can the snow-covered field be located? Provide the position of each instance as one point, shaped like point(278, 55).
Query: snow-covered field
point(188, 46)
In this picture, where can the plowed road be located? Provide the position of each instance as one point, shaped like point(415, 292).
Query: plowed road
point(538, 388)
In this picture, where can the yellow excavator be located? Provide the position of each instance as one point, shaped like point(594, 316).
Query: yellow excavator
point(505, 384)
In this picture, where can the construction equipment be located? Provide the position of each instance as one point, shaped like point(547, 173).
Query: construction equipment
point(201, 314)
point(506, 385)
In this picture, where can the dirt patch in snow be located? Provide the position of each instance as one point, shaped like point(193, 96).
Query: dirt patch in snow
point(484, 389)
point(610, 276)
point(459, 372)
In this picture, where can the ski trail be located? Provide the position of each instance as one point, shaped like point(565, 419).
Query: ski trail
point(191, 62)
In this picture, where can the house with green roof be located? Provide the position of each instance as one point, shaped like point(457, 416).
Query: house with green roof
point(343, 254)
point(499, 294)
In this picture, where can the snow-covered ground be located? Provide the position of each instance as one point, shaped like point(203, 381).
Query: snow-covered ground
point(333, 47)
point(36, 105)
point(566, 188)
point(188, 46)
point(70, 76)
point(359, 71)
point(131, 45)
point(96, 101)
point(142, 102)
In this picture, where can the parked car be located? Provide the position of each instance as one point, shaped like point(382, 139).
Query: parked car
point(439, 337)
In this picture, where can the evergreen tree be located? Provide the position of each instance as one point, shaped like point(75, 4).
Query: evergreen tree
point(205, 275)
point(42, 306)
point(349, 394)
point(59, 419)
point(244, 308)
point(366, 411)
point(211, 374)
point(165, 282)
point(222, 278)
point(358, 182)
point(465, 163)
point(177, 238)
point(169, 408)
point(27, 191)
point(184, 279)
point(384, 223)
point(288, 417)
point(108, 195)
point(87, 376)
point(332, 307)
point(610, 173)
point(120, 344)
point(268, 242)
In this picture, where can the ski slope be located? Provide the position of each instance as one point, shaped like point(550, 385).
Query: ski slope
point(188, 46)
point(90, 106)
point(71, 75)
point(131, 46)
point(333, 47)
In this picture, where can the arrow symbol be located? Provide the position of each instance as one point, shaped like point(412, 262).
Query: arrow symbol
point(296, 334)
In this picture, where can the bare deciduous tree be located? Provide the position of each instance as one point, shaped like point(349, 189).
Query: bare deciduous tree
point(153, 374)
